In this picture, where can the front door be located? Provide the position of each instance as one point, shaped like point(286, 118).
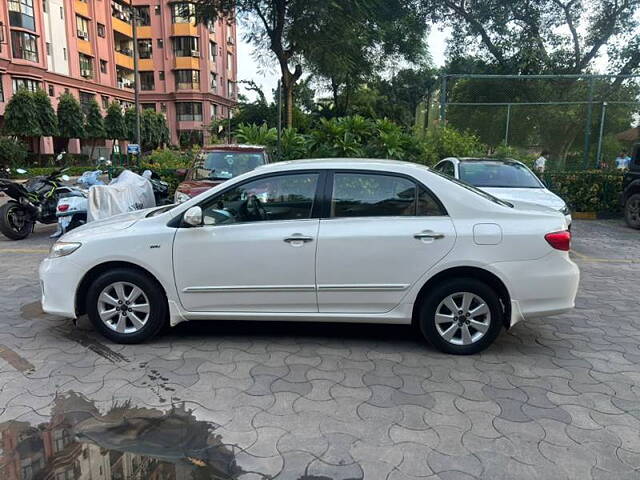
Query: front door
point(255, 251)
point(383, 233)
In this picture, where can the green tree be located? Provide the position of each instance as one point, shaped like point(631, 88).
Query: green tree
point(130, 124)
point(45, 114)
point(94, 125)
point(19, 118)
point(154, 132)
point(70, 118)
point(12, 153)
point(114, 126)
point(294, 31)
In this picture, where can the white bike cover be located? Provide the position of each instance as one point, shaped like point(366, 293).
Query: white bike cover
point(128, 192)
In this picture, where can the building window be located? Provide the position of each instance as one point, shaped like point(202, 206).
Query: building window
point(61, 13)
point(82, 27)
point(103, 66)
point(24, 46)
point(31, 85)
point(186, 46)
point(64, 52)
point(101, 32)
point(148, 106)
point(52, 91)
point(121, 12)
point(86, 66)
point(105, 102)
point(189, 138)
point(21, 14)
point(189, 111)
point(160, 43)
point(214, 111)
point(44, 6)
point(188, 79)
point(213, 81)
point(145, 48)
point(61, 439)
point(230, 89)
point(48, 48)
point(147, 81)
point(161, 74)
point(157, 9)
point(230, 62)
point(143, 18)
point(183, 12)
point(213, 51)
point(1, 90)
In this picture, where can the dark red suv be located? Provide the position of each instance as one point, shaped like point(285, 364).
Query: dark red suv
point(217, 164)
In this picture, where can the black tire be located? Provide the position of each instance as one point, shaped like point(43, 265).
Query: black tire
point(431, 302)
point(632, 211)
point(158, 311)
point(7, 226)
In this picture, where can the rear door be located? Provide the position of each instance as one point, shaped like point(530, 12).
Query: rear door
point(383, 232)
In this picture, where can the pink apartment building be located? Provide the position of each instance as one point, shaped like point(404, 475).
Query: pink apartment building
point(187, 71)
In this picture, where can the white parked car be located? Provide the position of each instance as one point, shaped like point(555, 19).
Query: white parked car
point(506, 179)
point(337, 240)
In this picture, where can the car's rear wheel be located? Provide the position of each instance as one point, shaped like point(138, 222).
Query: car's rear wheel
point(632, 211)
point(126, 306)
point(461, 316)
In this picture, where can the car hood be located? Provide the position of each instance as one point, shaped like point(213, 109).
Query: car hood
point(196, 187)
point(117, 222)
point(539, 196)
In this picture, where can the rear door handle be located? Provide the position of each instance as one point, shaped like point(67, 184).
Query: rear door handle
point(298, 237)
point(428, 234)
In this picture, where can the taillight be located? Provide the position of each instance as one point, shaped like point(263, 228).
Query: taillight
point(63, 207)
point(559, 240)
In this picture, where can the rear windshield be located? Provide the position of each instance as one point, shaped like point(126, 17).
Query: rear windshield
point(475, 190)
point(226, 165)
point(498, 175)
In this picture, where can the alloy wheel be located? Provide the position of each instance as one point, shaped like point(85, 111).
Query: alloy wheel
point(123, 307)
point(462, 318)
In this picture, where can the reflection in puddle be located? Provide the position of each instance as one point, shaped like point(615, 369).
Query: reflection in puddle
point(125, 443)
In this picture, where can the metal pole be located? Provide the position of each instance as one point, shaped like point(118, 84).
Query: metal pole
point(136, 73)
point(587, 125)
point(443, 100)
point(602, 117)
point(279, 144)
point(506, 128)
point(228, 125)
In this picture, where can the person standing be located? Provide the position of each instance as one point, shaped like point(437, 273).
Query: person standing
point(622, 161)
point(541, 163)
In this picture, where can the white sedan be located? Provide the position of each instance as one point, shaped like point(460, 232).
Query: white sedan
point(336, 240)
point(504, 178)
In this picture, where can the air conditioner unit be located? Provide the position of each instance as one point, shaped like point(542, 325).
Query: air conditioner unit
point(82, 35)
point(195, 54)
point(86, 73)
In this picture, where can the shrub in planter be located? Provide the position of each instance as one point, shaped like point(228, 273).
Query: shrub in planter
point(587, 191)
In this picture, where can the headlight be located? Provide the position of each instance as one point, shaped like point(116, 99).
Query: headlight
point(180, 197)
point(565, 210)
point(62, 249)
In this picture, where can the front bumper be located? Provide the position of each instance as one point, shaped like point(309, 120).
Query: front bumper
point(540, 288)
point(59, 280)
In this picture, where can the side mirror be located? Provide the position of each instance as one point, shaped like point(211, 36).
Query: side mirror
point(65, 178)
point(181, 173)
point(193, 217)
point(21, 170)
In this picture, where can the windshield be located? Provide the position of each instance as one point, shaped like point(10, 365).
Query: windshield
point(226, 165)
point(498, 175)
point(475, 190)
point(160, 211)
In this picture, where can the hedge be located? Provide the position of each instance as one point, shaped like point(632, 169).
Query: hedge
point(587, 191)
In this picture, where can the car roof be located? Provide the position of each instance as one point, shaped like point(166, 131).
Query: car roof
point(234, 147)
point(344, 163)
point(484, 159)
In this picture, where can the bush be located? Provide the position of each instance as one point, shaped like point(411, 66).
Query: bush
point(445, 142)
point(168, 159)
point(587, 191)
point(13, 153)
point(75, 171)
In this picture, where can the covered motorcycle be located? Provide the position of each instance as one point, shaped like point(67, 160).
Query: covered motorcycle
point(125, 193)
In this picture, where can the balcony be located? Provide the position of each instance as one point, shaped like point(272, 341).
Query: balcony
point(184, 30)
point(144, 32)
point(187, 63)
point(84, 46)
point(125, 78)
point(124, 60)
point(146, 64)
point(82, 8)
point(122, 27)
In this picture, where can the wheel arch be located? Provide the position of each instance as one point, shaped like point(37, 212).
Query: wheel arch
point(97, 270)
point(486, 276)
point(631, 189)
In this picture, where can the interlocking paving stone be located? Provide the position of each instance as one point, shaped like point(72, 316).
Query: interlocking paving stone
point(553, 398)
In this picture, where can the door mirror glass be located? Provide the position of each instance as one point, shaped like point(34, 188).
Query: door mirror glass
point(21, 171)
point(193, 217)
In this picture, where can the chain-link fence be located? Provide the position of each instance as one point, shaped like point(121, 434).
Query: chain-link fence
point(581, 121)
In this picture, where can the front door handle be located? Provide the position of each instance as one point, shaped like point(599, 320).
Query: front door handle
point(428, 234)
point(298, 238)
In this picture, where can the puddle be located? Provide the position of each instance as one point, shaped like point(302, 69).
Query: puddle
point(125, 443)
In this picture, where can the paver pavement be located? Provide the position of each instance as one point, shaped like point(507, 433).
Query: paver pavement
point(553, 398)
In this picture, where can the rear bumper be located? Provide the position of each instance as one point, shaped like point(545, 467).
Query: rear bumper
point(59, 279)
point(540, 288)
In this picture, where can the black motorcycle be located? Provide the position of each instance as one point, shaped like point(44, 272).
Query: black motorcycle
point(32, 201)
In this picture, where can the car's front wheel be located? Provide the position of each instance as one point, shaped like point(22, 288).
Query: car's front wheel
point(632, 211)
point(461, 316)
point(126, 306)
